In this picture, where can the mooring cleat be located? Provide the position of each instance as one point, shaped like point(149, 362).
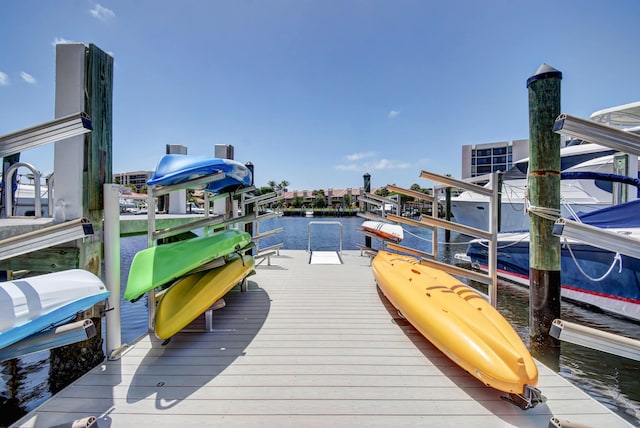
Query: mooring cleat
point(530, 399)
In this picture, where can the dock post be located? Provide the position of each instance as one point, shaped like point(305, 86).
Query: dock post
point(367, 189)
point(544, 188)
point(112, 267)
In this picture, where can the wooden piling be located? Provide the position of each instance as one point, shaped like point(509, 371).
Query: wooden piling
point(544, 192)
point(70, 362)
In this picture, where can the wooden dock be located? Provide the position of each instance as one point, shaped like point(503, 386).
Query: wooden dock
point(305, 346)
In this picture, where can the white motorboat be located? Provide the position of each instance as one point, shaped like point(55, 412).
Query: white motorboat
point(578, 194)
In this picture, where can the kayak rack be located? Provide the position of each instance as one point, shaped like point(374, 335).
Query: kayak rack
point(433, 223)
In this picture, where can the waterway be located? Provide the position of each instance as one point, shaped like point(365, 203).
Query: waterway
point(614, 381)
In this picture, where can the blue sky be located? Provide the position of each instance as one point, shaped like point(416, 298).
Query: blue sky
point(319, 93)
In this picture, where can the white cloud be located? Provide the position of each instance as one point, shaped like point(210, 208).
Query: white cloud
point(349, 167)
point(4, 79)
point(28, 78)
point(60, 41)
point(357, 156)
point(102, 13)
point(374, 164)
point(387, 164)
point(393, 114)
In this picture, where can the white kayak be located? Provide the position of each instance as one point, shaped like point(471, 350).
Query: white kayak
point(384, 230)
point(34, 304)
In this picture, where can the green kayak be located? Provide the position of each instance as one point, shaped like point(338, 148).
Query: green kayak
point(158, 265)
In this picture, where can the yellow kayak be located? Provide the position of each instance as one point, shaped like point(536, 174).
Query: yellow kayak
point(193, 294)
point(458, 321)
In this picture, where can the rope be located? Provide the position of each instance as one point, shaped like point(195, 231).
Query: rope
point(431, 240)
point(524, 236)
point(510, 194)
point(616, 259)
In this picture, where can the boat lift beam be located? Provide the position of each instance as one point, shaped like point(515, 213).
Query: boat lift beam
point(371, 216)
point(45, 238)
point(60, 336)
point(594, 132)
point(433, 222)
point(377, 200)
point(411, 193)
point(601, 238)
point(452, 182)
point(45, 133)
point(595, 339)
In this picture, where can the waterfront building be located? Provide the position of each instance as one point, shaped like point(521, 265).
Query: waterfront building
point(482, 159)
point(136, 178)
point(335, 198)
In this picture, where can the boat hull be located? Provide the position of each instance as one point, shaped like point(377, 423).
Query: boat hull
point(176, 169)
point(458, 321)
point(617, 293)
point(475, 213)
point(384, 230)
point(156, 266)
point(36, 303)
point(192, 295)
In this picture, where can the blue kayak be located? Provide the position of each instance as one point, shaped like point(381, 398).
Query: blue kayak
point(176, 169)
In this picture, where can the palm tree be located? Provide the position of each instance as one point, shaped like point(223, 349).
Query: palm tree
point(283, 185)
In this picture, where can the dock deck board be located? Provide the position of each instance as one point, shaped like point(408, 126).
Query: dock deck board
point(306, 345)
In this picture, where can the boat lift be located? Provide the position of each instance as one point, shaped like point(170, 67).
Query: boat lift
point(627, 142)
point(48, 234)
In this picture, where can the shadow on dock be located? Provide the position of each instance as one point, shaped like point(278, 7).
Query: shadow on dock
point(199, 357)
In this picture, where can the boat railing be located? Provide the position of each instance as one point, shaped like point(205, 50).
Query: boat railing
point(8, 196)
point(323, 223)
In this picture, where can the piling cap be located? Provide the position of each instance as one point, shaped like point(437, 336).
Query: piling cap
point(545, 71)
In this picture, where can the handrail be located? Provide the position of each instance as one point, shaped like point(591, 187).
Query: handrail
point(322, 222)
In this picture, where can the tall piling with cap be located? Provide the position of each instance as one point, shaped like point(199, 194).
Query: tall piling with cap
point(544, 195)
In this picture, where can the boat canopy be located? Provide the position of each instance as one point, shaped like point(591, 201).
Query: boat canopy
point(627, 115)
point(616, 216)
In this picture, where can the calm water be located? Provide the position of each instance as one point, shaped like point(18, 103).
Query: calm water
point(614, 381)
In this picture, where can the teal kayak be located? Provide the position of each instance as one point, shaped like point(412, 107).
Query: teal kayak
point(155, 266)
